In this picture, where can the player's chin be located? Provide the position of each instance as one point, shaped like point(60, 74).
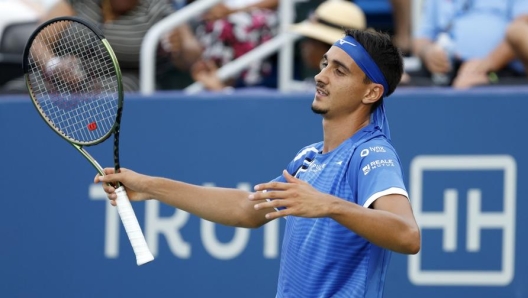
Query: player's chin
point(318, 109)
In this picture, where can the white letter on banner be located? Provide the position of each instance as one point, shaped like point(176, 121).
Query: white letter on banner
point(271, 231)
point(111, 249)
point(224, 251)
point(271, 239)
point(219, 250)
point(478, 220)
point(169, 227)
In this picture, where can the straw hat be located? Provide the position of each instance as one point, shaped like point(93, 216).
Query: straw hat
point(329, 20)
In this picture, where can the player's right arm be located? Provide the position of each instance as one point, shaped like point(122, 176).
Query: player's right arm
point(226, 206)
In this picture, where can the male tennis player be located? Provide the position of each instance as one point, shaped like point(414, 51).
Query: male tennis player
point(344, 199)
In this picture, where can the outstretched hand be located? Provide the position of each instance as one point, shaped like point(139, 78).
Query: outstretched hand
point(135, 184)
point(296, 197)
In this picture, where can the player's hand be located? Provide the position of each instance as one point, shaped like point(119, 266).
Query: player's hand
point(296, 196)
point(135, 184)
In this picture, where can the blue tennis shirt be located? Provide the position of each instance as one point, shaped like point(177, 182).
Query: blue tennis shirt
point(320, 257)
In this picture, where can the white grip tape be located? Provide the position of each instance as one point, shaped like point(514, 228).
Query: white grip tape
point(132, 228)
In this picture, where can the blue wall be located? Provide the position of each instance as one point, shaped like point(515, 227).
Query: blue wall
point(458, 149)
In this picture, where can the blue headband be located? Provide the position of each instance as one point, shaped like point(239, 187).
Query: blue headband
point(358, 53)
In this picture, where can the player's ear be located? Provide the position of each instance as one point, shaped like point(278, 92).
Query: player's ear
point(373, 93)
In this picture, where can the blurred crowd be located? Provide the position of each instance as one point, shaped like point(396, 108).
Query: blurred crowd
point(456, 43)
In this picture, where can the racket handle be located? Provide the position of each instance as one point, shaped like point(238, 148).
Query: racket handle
point(132, 228)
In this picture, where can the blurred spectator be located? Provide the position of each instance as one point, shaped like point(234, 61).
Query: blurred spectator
point(517, 38)
point(473, 44)
point(401, 15)
point(22, 11)
point(124, 24)
point(322, 28)
point(377, 14)
point(229, 30)
point(392, 16)
point(14, 11)
point(177, 4)
point(229, 7)
point(18, 19)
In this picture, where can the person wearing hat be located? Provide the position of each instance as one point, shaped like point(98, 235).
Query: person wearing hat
point(322, 28)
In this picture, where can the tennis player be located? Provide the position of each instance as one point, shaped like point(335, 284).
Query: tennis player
point(344, 199)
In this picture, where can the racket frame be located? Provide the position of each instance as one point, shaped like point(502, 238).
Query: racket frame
point(115, 63)
point(143, 255)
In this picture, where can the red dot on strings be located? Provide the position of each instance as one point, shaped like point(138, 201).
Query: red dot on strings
point(92, 126)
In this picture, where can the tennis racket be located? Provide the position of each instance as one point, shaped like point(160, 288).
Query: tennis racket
point(74, 81)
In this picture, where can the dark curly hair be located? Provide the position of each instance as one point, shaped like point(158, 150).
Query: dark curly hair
point(388, 58)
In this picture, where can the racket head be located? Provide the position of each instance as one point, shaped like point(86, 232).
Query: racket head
point(74, 80)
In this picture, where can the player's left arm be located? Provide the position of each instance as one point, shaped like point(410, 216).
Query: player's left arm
point(390, 222)
point(382, 213)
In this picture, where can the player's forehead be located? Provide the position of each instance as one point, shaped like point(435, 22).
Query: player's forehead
point(337, 55)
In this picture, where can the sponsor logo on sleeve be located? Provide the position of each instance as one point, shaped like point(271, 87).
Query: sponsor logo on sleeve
point(377, 149)
point(379, 163)
point(366, 169)
point(364, 152)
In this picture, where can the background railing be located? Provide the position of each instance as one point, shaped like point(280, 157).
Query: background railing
point(154, 35)
point(283, 43)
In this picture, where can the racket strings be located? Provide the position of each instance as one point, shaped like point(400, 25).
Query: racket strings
point(75, 85)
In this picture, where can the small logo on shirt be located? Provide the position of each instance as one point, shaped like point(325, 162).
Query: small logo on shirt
point(364, 152)
point(378, 149)
point(382, 163)
point(342, 41)
point(316, 167)
point(366, 169)
point(377, 164)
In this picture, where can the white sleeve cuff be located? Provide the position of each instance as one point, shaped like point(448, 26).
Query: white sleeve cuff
point(390, 191)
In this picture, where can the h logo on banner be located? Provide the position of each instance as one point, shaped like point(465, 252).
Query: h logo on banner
point(476, 221)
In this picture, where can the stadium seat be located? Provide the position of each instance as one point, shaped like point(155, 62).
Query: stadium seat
point(12, 44)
